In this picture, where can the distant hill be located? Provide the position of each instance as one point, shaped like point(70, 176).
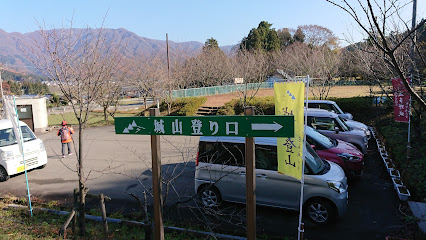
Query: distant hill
point(12, 57)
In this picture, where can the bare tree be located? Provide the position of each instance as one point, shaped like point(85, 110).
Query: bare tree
point(253, 67)
point(149, 77)
point(382, 22)
point(210, 68)
point(320, 62)
point(318, 36)
point(80, 62)
point(109, 97)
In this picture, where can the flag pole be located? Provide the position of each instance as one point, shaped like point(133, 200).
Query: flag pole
point(301, 228)
point(23, 157)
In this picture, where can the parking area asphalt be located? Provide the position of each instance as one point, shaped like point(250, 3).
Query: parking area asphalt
point(117, 165)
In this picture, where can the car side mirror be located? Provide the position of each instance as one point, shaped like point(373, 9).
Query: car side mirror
point(336, 129)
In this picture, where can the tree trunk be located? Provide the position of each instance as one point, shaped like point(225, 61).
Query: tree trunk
point(82, 206)
point(105, 113)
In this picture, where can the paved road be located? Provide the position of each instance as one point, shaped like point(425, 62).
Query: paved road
point(115, 165)
point(119, 165)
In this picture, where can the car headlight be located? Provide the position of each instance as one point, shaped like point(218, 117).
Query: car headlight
point(348, 157)
point(337, 186)
point(7, 155)
point(42, 147)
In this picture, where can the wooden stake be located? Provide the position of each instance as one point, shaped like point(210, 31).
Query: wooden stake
point(102, 201)
point(250, 183)
point(74, 219)
point(156, 181)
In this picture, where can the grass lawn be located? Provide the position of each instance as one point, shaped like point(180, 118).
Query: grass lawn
point(95, 118)
point(15, 223)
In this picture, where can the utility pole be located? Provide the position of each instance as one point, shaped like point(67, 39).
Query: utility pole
point(168, 74)
point(412, 57)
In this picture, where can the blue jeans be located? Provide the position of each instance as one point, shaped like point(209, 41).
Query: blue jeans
point(63, 148)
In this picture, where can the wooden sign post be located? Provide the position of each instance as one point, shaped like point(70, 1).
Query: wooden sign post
point(248, 126)
point(156, 181)
point(250, 183)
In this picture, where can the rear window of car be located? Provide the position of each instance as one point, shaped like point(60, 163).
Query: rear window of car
point(223, 153)
point(233, 154)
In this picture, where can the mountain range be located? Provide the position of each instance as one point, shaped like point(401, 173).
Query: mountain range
point(13, 45)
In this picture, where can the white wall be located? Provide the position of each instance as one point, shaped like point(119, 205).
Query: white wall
point(39, 111)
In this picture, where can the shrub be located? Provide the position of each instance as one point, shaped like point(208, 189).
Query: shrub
point(263, 106)
point(360, 107)
point(228, 108)
point(186, 106)
point(412, 170)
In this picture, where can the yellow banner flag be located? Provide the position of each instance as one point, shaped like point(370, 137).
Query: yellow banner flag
point(289, 101)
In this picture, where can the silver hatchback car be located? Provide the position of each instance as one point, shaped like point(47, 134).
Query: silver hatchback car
point(329, 106)
point(220, 176)
point(332, 125)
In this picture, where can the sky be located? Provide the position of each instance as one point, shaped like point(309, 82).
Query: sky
point(227, 21)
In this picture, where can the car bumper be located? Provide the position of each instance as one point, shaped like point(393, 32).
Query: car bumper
point(341, 202)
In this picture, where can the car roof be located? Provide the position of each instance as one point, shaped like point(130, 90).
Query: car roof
point(321, 101)
point(315, 112)
point(6, 123)
point(271, 141)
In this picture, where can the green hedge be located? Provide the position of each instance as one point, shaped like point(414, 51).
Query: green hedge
point(186, 106)
point(360, 107)
point(263, 106)
point(413, 171)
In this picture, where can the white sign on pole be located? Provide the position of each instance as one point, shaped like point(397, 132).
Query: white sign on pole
point(238, 80)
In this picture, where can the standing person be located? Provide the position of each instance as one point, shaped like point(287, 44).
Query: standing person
point(65, 133)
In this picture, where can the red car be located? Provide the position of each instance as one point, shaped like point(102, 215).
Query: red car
point(344, 154)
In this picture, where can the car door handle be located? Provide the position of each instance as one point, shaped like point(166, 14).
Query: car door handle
point(242, 173)
point(263, 176)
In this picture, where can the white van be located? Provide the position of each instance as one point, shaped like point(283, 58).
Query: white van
point(11, 161)
point(220, 176)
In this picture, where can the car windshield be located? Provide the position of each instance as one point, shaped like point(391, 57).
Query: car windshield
point(323, 140)
point(337, 109)
point(313, 161)
point(7, 136)
point(342, 124)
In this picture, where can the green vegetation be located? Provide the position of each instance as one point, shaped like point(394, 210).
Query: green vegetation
point(180, 107)
point(186, 106)
point(95, 119)
point(413, 170)
point(28, 88)
point(263, 106)
point(20, 77)
point(360, 107)
point(262, 38)
point(16, 224)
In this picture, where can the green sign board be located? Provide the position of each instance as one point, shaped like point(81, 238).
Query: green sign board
point(242, 126)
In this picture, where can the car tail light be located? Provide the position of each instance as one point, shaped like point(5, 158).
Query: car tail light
point(198, 156)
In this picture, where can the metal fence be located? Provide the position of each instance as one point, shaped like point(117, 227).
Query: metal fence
point(207, 91)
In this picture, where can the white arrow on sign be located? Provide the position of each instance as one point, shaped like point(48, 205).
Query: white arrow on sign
point(266, 126)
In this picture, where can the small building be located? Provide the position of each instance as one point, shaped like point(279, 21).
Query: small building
point(33, 111)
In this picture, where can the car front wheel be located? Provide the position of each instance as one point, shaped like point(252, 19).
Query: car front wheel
point(320, 211)
point(3, 174)
point(210, 196)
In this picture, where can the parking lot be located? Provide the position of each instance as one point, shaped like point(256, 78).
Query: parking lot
point(117, 165)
